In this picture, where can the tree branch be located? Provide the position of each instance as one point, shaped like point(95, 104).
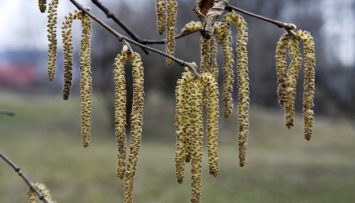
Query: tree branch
point(130, 32)
point(23, 176)
point(121, 38)
point(287, 26)
point(6, 112)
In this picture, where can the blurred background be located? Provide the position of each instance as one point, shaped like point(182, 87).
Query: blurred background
point(44, 136)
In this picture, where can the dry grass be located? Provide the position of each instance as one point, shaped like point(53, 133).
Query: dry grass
point(44, 139)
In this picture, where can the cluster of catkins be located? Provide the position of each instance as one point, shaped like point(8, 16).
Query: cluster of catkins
point(287, 76)
point(194, 92)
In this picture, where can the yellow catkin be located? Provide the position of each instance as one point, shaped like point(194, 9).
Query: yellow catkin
point(52, 37)
point(120, 111)
point(31, 196)
point(223, 34)
point(309, 81)
point(213, 58)
point(44, 191)
point(197, 141)
point(212, 121)
point(205, 55)
point(136, 124)
point(189, 128)
point(85, 78)
point(243, 82)
point(68, 53)
point(191, 27)
point(281, 67)
point(161, 15)
point(170, 29)
point(181, 123)
point(42, 4)
point(292, 75)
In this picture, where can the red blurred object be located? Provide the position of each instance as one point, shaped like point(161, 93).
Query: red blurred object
point(17, 75)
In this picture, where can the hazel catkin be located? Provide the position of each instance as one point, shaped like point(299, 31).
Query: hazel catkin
point(52, 37)
point(281, 67)
point(161, 15)
point(136, 124)
point(120, 110)
point(42, 4)
point(170, 29)
point(309, 81)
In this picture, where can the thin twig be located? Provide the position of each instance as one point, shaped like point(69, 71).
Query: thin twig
point(135, 37)
point(23, 176)
point(119, 22)
point(6, 112)
point(121, 37)
point(287, 26)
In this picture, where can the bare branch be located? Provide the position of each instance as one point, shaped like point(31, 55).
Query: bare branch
point(23, 176)
point(287, 26)
point(121, 37)
point(6, 112)
point(130, 32)
point(119, 22)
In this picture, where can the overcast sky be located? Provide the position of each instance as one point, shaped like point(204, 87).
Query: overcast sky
point(18, 16)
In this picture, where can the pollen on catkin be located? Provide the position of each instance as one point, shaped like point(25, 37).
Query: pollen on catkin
point(161, 15)
point(44, 191)
point(136, 124)
point(213, 59)
point(42, 4)
point(281, 67)
point(120, 110)
point(170, 29)
point(243, 82)
point(197, 141)
point(224, 37)
point(211, 85)
point(191, 27)
point(52, 37)
point(205, 55)
point(31, 196)
point(68, 53)
point(291, 82)
point(309, 81)
point(85, 78)
point(182, 120)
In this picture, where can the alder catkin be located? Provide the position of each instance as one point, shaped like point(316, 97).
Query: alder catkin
point(281, 67)
point(120, 111)
point(243, 82)
point(309, 81)
point(42, 4)
point(181, 123)
point(291, 82)
point(68, 53)
point(170, 29)
point(85, 78)
point(213, 59)
point(223, 34)
point(161, 15)
point(197, 140)
point(52, 37)
point(44, 191)
point(211, 85)
point(136, 124)
point(31, 196)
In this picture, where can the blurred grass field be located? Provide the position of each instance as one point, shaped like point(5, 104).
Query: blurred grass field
point(44, 140)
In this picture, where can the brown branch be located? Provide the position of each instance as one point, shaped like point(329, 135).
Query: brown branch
point(6, 112)
point(119, 22)
point(287, 26)
point(135, 37)
point(121, 37)
point(23, 176)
